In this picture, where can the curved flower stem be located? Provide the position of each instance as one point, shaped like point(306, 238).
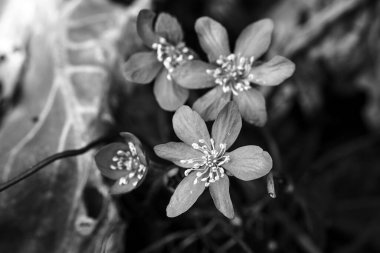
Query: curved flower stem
point(270, 185)
point(70, 153)
point(45, 162)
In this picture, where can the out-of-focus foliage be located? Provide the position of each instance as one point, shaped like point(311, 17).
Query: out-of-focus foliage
point(66, 50)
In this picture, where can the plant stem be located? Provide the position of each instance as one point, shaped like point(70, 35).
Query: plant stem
point(45, 162)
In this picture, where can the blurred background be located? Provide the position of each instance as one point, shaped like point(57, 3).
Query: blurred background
point(61, 86)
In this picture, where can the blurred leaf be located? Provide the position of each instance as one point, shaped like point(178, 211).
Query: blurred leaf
point(72, 47)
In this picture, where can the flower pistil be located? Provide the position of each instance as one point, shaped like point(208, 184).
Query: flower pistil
point(208, 167)
point(130, 162)
point(171, 55)
point(233, 73)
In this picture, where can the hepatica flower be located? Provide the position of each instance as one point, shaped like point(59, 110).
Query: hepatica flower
point(207, 160)
point(232, 74)
point(167, 51)
point(123, 162)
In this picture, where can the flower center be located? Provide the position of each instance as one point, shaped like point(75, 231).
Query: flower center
point(129, 162)
point(171, 56)
point(208, 167)
point(233, 73)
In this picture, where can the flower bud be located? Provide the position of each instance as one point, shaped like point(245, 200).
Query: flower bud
point(124, 162)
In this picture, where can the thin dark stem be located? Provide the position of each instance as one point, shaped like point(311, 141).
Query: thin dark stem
point(42, 164)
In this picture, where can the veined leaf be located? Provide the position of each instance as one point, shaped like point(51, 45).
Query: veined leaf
point(72, 47)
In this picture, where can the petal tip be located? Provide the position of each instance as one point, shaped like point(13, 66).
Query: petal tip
point(287, 64)
point(268, 23)
point(255, 39)
point(183, 111)
point(158, 149)
point(230, 215)
point(260, 121)
point(292, 67)
point(268, 160)
point(144, 25)
point(202, 21)
point(170, 212)
point(146, 12)
point(212, 37)
point(169, 27)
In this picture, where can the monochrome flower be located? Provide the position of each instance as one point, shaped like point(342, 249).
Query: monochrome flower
point(232, 74)
point(124, 162)
point(207, 161)
point(168, 51)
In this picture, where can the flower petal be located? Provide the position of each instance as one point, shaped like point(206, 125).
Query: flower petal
point(227, 125)
point(212, 37)
point(177, 151)
point(249, 162)
point(252, 107)
point(124, 185)
point(189, 126)
point(141, 67)
point(272, 72)
point(168, 27)
point(169, 95)
point(144, 25)
point(193, 75)
point(134, 143)
point(255, 39)
point(184, 196)
point(210, 104)
point(103, 160)
point(220, 193)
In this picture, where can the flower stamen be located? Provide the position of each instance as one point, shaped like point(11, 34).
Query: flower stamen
point(208, 167)
point(233, 73)
point(128, 161)
point(171, 55)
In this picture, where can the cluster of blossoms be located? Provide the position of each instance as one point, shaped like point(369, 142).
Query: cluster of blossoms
point(234, 78)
